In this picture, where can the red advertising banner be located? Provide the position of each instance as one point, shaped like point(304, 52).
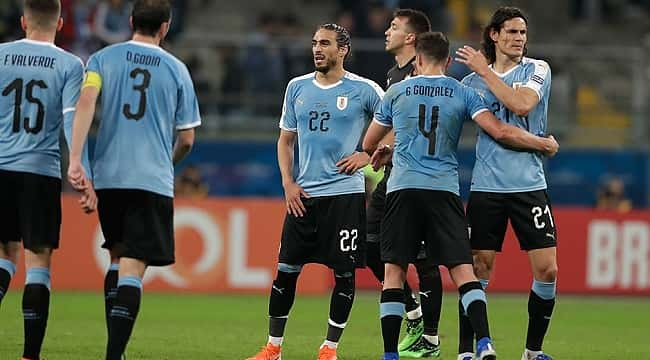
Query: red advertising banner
point(598, 253)
point(222, 245)
point(231, 245)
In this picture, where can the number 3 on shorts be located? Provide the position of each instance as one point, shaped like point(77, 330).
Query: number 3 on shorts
point(348, 235)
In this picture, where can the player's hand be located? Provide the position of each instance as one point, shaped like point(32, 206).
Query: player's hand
point(88, 200)
point(382, 156)
point(77, 176)
point(474, 59)
point(552, 147)
point(352, 163)
point(293, 195)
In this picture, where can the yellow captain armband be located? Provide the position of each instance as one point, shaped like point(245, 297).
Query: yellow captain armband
point(92, 79)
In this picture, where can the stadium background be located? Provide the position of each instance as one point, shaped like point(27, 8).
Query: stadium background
point(229, 205)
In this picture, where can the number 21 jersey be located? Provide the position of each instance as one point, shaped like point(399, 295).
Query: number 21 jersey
point(147, 95)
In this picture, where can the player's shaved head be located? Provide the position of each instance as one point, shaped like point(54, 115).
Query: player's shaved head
point(42, 14)
point(149, 15)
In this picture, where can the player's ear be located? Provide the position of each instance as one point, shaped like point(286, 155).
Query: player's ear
point(494, 35)
point(131, 22)
point(59, 24)
point(448, 63)
point(23, 23)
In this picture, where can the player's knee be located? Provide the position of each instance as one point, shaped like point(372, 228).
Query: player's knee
point(483, 265)
point(290, 269)
point(427, 271)
point(344, 281)
point(547, 273)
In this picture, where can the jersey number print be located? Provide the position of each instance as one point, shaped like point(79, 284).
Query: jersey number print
point(17, 87)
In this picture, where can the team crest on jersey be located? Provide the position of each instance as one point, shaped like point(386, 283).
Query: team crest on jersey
point(341, 102)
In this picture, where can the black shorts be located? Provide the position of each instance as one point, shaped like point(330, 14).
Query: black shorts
point(377, 205)
point(138, 224)
point(435, 217)
point(30, 209)
point(332, 233)
point(529, 213)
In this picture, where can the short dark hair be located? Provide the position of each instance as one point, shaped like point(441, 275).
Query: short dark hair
point(500, 16)
point(43, 14)
point(148, 15)
point(417, 20)
point(342, 36)
point(433, 45)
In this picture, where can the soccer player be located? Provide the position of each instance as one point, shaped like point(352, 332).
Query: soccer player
point(147, 94)
point(421, 339)
point(326, 112)
point(40, 86)
point(427, 114)
point(509, 185)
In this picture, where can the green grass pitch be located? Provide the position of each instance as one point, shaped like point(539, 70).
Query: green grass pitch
point(234, 327)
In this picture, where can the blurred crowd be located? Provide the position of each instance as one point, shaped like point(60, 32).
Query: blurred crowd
point(88, 25)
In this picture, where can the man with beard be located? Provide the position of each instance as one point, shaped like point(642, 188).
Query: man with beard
point(326, 112)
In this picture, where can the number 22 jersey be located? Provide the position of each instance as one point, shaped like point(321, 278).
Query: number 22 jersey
point(147, 94)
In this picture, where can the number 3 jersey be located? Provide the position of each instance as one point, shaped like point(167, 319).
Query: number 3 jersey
point(39, 86)
point(499, 168)
point(329, 121)
point(146, 95)
point(427, 115)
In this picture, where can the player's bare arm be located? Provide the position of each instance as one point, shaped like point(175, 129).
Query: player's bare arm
point(183, 144)
point(292, 191)
point(373, 144)
point(81, 125)
point(520, 101)
point(514, 136)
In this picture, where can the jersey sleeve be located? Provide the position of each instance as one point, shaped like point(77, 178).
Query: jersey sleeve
point(474, 102)
point(384, 115)
point(288, 119)
point(188, 115)
point(374, 95)
point(538, 79)
point(93, 73)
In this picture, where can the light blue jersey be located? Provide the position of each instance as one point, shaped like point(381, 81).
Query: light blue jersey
point(39, 86)
point(329, 122)
point(427, 115)
point(147, 95)
point(499, 168)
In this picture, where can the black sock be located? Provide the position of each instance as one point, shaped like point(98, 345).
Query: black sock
point(430, 297)
point(283, 293)
point(410, 301)
point(465, 332)
point(36, 305)
point(340, 305)
point(391, 309)
point(539, 317)
point(123, 315)
point(373, 260)
point(472, 297)
point(110, 291)
point(5, 279)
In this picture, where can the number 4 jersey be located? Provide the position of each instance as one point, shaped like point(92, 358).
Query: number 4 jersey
point(146, 95)
point(427, 115)
point(40, 87)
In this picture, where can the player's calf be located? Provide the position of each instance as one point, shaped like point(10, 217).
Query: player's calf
point(36, 304)
point(340, 307)
point(7, 271)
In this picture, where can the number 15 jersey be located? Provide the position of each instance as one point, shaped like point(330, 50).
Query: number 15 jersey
point(147, 95)
point(427, 115)
point(39, 88)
